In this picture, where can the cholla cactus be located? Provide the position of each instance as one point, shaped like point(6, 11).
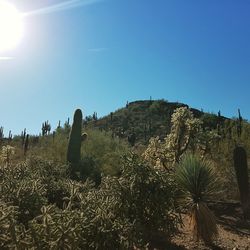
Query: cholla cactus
point(156, 154)
point(204, 141)
point(184, 127)
point(6, 154)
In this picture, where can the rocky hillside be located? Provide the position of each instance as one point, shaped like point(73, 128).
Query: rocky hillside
point(141, 120)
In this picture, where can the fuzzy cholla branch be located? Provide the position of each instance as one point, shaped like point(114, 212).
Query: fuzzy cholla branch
point(184, 128)
point(156, 154)
point(6, 154)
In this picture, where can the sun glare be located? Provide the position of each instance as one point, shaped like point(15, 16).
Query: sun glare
point(11, 26)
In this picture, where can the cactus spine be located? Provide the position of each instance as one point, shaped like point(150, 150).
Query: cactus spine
point(240, 165)
point(74, 145)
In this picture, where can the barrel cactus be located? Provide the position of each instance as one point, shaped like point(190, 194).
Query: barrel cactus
point(241, 169)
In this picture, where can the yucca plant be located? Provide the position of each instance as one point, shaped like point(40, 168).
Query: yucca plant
point(198, 182)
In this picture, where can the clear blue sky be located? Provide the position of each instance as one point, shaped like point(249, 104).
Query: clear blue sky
point(98, 56)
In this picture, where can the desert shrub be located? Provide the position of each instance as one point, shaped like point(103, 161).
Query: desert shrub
point(122, 213)
point(157, 107)
point(148, 199)
point(52, 175)
point(51, 149)
point(47, 168)
point(105, 150)
point(7, 219)
point(29, 196)
point(72, 229)
point(129, 210)
point(89, 169)
point(210, 120)
point(23, 190)
point(56, 191)
point(32, 184)
point(110, 228)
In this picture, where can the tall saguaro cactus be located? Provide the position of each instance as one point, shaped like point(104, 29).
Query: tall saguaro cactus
point(26, 145)
point(241, 169)
point(1, 133)
point(74, 145)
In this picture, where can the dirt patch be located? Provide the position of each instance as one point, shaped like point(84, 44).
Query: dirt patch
point(234, 231)
point(229, 237)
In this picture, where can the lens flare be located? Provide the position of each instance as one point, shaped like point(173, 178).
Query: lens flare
point(11, 26)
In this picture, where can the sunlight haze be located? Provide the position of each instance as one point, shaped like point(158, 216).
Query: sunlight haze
point(11, 26)
point(97, 55)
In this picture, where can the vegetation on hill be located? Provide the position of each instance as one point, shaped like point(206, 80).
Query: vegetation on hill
point(117, 182)
point(146, 119)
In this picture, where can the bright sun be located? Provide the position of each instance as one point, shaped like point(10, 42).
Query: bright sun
point(11, 26)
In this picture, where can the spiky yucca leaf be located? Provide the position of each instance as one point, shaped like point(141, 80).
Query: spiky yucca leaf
point(196, 178)
point(198, 182)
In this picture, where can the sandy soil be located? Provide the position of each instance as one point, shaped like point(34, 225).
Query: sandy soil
point(230, 236)
point(234, 232)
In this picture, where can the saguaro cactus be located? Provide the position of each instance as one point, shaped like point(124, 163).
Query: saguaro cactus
point(46, 127)
point(26, 145)
point(74, 145)
point(59, 125)
point(23, 136)
point(239, 124)
point(10, 136)
point(240, 165)
point(1, 133)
